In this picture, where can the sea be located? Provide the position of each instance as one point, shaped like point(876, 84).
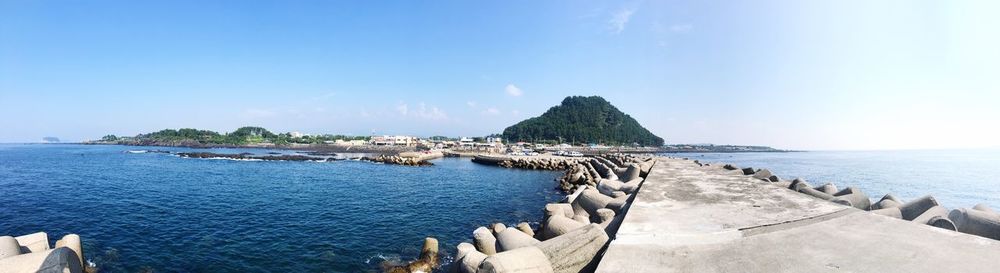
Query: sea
point(956, 178)
point(137, 210)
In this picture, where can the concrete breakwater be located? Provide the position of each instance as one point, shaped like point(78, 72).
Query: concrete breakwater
point(406, 158)
point(980, 220)
point(573, 232)
point(590, 172)
point(32, 253)
point(579, 171)
point(694, 217)
point(541, 162)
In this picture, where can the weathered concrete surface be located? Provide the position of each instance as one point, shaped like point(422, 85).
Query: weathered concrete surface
point(687, 218)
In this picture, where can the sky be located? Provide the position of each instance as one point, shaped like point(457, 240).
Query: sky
point(813, 75)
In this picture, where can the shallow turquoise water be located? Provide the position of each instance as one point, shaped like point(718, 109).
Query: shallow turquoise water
point(956, 178)
point(169, 214)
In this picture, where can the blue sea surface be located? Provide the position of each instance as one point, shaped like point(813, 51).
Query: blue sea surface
point(162, 213)
point(956, 178)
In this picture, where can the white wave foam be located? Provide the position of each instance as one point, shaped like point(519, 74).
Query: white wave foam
point(231, 159)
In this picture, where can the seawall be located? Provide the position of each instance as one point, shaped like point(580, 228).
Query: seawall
point(694, 217)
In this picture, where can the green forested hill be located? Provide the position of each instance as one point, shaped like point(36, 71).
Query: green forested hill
point(583, 120)
point(242, 136)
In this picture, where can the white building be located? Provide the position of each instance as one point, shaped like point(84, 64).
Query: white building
point(355, 142)
point(466, 142)
point(296, 134)
point(394, 140)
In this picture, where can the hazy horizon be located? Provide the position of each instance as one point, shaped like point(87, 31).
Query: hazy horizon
point(818, 75)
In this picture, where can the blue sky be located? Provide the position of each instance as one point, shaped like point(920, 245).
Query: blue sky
point(789, 74)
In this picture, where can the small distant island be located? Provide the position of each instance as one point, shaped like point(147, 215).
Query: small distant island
point(589, 125)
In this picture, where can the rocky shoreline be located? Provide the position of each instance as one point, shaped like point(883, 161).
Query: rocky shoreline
point(316, 148)
point(249, 156)
point(405, 158)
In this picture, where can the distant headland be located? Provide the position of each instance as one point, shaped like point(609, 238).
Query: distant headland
point(589, 125)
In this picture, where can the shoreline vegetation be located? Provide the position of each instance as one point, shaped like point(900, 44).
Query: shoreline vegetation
point(589, 125)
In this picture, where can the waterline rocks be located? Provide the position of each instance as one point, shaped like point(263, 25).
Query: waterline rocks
point(252, 157)
point(31, 253)
point(527, 162)
point(427, 262)
point(573, 232)
point(398, 160)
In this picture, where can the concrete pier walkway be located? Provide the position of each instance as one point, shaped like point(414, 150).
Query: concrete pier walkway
point(689, 218)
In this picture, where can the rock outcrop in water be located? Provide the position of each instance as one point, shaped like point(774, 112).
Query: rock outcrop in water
point(249, 156)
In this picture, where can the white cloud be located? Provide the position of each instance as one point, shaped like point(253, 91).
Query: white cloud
point(493, 111)
point(422, 111)
point(681, 28)
point(515, 112)
point(620, 19)
point(403, 109)
point(432, 113)
point(513, 90)
point(471, 104)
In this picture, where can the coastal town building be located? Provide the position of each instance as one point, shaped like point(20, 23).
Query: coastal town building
point(353, 142)
point(393, 141)
point(466, 142)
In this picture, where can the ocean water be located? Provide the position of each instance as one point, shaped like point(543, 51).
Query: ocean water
point(161, 213)
point(956, 178)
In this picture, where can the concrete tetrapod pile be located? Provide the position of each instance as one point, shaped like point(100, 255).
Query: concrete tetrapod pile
point(980, 220)
point(31, 253)
point(398, 160)
point(528, 162)
point(605, 167)
point(572, 234)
